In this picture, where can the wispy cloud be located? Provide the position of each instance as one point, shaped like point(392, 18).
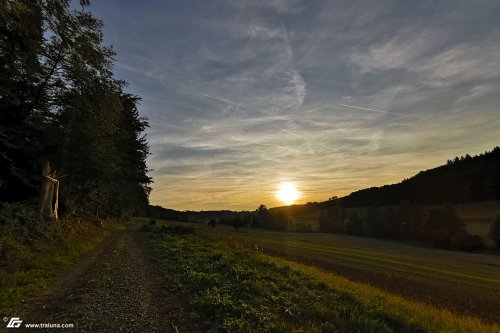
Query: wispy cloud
point(379, 111)
point(334, 96)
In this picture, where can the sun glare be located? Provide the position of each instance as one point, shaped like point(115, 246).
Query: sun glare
point(287, 193)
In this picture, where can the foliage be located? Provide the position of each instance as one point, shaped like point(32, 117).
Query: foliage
point(354, 225)
point(439, 226)
point(261, 217)
point(159, 212)
point(212, 223)
point(238, 222)
point(466, 179)
point(61, 103)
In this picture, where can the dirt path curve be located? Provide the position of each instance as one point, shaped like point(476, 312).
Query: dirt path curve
point(116, 288)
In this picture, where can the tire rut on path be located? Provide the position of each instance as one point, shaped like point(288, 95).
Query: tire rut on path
point(114, 289)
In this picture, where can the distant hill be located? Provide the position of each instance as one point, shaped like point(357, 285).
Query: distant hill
point(158, 212)
point(463, 179)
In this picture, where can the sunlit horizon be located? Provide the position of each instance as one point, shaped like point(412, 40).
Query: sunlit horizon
point(287, 193)
point(337, 96)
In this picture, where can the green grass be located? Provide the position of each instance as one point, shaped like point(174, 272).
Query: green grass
point(33, 259)
point(234, 289)
point(467, 283)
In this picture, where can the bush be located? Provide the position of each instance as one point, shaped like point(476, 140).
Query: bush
point(467, 242)
point(238, 223)
point(177, 230)
point(212, 223)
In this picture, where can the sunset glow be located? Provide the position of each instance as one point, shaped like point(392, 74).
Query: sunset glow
point(287, 193)
point(338, 96)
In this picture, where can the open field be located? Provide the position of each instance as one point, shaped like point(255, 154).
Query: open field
point(232, 288)
point(465, 283)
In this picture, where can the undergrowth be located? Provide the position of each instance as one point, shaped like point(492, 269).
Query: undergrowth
point(33, 251)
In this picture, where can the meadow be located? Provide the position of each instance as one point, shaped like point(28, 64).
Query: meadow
point(234, 283)
point(464, 283)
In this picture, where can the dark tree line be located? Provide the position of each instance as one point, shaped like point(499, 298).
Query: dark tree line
point(158, 212)
point(60, 103)
point(439, 226)
point(281, 218)
point(463, 179)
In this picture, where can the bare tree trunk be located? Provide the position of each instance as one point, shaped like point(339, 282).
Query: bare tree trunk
point(46, 194)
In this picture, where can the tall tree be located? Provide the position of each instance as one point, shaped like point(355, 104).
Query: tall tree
point(59, 102)
point(20, 73)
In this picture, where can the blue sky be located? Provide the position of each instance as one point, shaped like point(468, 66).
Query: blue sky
point(333, 96)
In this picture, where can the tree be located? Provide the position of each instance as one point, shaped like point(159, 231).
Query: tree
point(21, 37)
point(60, 103)
point(331, 220)
point(374, 222)
point(495, 231)
point(442, 225)
point(411, 220)
point(390, 222)
point(354, 225)
point(212, 223)
point(261, 217)
point(238, 223)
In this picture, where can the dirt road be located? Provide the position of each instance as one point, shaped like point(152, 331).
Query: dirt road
point(116, 288)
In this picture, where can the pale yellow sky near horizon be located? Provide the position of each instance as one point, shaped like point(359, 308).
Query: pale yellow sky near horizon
point(393, 171)
point(335, 96)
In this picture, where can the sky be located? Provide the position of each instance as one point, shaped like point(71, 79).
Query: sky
point(329, 96)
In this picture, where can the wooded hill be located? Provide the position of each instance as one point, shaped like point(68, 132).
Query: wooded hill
point(463, 179)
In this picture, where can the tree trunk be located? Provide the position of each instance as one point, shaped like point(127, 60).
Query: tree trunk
point(46, 194)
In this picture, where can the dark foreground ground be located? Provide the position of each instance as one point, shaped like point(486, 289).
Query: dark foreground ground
point(116, 288)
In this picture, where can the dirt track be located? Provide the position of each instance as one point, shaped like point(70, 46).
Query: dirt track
point(116, 288)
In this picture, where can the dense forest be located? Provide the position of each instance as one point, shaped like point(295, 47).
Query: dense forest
point(463, 179)
point(62, 108)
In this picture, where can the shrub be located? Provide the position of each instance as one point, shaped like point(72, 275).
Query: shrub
point(238, 223)
point(467, 242)
point(177, 230)
point(212, 223)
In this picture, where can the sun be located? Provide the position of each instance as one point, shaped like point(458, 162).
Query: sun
point(287, 193)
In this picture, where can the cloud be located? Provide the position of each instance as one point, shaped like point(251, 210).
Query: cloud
point(335, 96)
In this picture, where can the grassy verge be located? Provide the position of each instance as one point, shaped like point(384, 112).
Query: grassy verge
point(233, 289)
point(34, 252)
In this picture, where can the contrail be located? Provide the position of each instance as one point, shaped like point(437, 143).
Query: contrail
point(219, 99)
point(379, 111)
